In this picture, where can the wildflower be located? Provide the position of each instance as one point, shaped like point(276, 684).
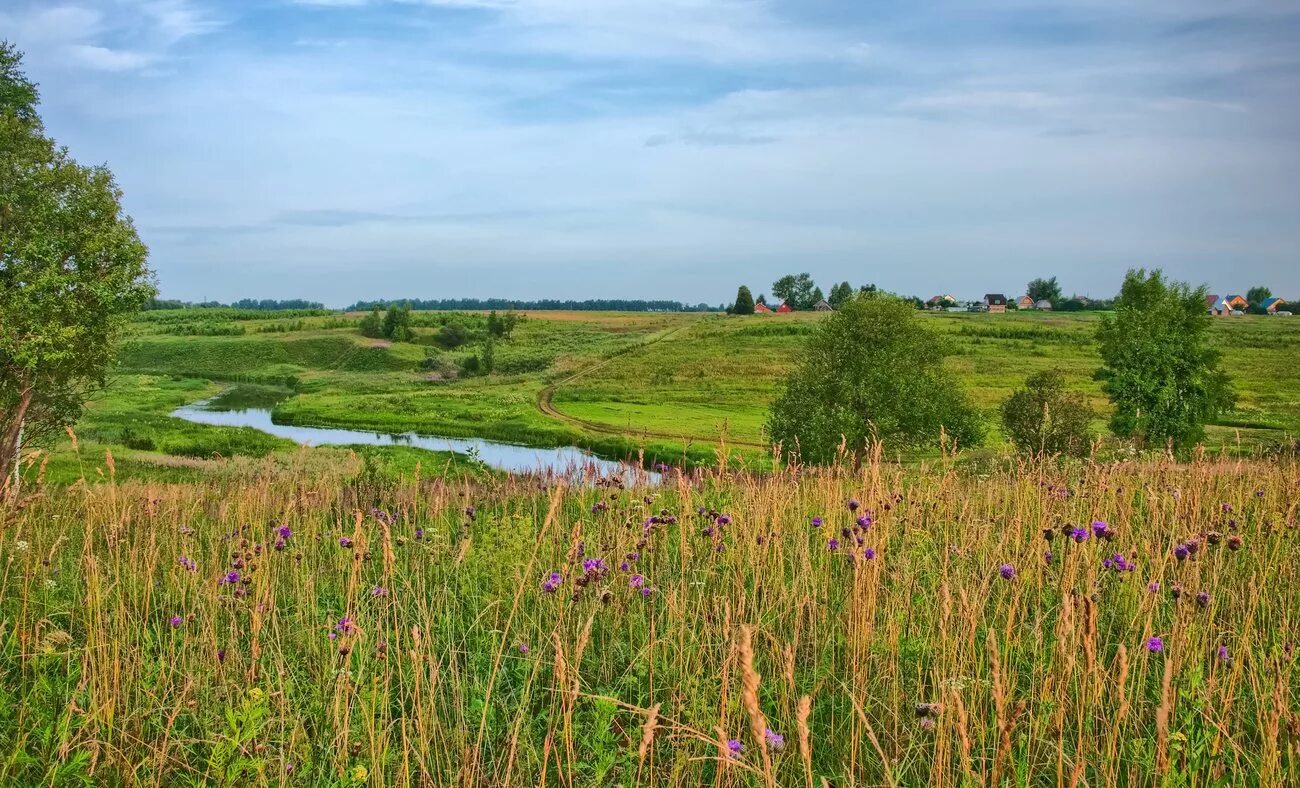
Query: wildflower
point(1007, 571)
point(1079, 534)
point(853, 504)
point(817, 521)
point(869, 554)
point(176, 621)
point(635, 581)
point(775, 741)
point(723, 519)
point(21, 546)
point(1176, 591)
point(378, 591)
point(735, 747)
point(594, 566)
point(1214, 537)
point(646, 591)
point(927, 724)
point(865, 521)
point(279, 545)
point(1223, 653)
point(419, 534)
point(1203, 599)
point(469, 512)
point(624, 567)
point(1234, 543)
point(345, 626)
point(523, 648)
point(361, 773)
point(1154, 587)
point(553, 582)
point(187, 564)
point(345, 542)
point(1155, 645)
point(1100, 529)
point(284, 532)
point(1047, 556)
point(1181, 552)
point(833, 544)
point(221, 655)
point(230, 578)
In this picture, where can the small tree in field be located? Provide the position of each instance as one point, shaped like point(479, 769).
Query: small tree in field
point(397, 323)
point(870, 371)
point(72, 273)
point(744, 302)
point(1159, 369)
point(1044, 290)
point(1044, 418)
point(372, 325)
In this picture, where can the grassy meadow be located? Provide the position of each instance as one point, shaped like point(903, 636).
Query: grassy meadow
point(1087, 624)
point(688, 389)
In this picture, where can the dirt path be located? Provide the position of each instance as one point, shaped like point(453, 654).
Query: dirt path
point(547, 394)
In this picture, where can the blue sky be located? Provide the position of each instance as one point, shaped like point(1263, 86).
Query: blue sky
point(345, 149)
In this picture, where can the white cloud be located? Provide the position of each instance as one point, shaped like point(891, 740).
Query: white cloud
point(105, 59)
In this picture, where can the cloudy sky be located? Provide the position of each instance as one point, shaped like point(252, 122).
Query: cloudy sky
point(344, 149)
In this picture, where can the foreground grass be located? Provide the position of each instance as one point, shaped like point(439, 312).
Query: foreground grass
point(399, 632)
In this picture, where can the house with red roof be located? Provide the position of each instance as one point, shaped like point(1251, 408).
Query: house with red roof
point(784, 308)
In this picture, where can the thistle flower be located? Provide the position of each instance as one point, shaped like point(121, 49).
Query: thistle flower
point(869, 554)
point(187, 564)
point(1079, 534)
point(646, 591)
point(1155, 645)
point(1203, 599)
point(833, 544)
point(735, 747)
point(553, 582)
point(284, 532)
point(1047, 556)
point(523, 648)
point(864, 522)
point(1181, 552)
point(345, 542)
point(1223, 653)
point(1007, 571)
point(419, 534)
point(176, 621)
point(594, 566)
point(817, 521)
point(230, 578)
point(775, 741)
point(723, 519)
point(378, 591)
point(853, 504)
point(1154, 587)
point(1234, 542)
point(635, 581)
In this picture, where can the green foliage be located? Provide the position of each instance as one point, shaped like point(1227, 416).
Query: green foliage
point(234, 758)
point(840, 294)
point(1160, 371)
point(796, 290)
point(1044, 418)
point(372, 325)
point(397, 323)
point(1044, 290)
point(1258, 295)
point(744, 302)
point(871, 371)
point(453, 334)
point(74, 271)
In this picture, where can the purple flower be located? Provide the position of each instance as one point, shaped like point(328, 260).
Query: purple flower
point(735, 747)
point(1099, 528)
point(635, 581)
point(775, 741)
point(553, 582)
point(188, 564)
point(419, 534)
point(345, 542)
point(594, 566)
point(864, 522)
point(853, 504)
point(833, 544)
point(345, 626)
point(1223, 653)
point(378, 591)
point(469, 512)
point(869, 554)
point(1181, 552)
point(230, 578)
point(1047, 556)
point(284, 532)
point(817, 522)
point(1203, 599)
point(176, 621)
point(723, 519)
point(646, 591)
point(1079, 534)
point(1155, 645)
point(1007, 571)
point(523, 648)
point(1154, 587)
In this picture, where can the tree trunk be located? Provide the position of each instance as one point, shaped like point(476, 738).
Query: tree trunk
point(9, 445)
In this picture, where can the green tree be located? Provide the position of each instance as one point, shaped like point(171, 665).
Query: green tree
point(488, 358)
point(872, 370)
point(508, 322)
point(452, 334)
point(840, 294)
point(1044, 290)
point(72, 273)
point(1044, 418)
point(817, 297)
point(1258, 295)
point(372, 325)
point(796, 290)
point(1159, 369)
point(744, 302)
point(397, 323)
point(495, 326)
point(762, 299)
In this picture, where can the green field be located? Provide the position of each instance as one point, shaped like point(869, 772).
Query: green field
point(675, 386)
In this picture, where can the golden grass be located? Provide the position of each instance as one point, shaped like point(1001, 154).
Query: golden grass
point(426, 651)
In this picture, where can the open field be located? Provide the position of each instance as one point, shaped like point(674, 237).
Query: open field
point(296, 627)
point(674, 386)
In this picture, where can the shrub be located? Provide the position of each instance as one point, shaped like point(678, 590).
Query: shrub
point(1044, 418)
point(870, 371)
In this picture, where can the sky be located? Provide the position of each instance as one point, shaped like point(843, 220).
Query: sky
point(339, 150)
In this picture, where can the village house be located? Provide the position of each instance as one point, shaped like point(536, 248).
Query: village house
point(762, 309)
point(823, 306)
point(1236, 302)
point(1024, 302)
point(1044, 305)
point(1272, 305)
point(784, 308)
point(1217, 306)
point(995, 302)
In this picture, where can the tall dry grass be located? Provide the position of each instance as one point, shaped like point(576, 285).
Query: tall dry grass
point(396, 639)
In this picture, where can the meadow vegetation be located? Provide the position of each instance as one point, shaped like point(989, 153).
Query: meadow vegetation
point(1088, 623)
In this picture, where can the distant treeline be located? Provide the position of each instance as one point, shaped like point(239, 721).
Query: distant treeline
point(590, 305)
point(263, 305)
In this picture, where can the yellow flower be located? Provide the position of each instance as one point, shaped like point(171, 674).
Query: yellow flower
point(256, 694)
point(359, 774)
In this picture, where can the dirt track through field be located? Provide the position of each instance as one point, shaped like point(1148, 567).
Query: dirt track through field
point(545, 405)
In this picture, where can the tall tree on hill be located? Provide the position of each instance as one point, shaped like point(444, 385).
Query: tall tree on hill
point(1044, 290)
point(840, 293)
point(795, 290)
point(72, 273)
point(762, 299)
point(744, 302)
point(871, 371)
point(1159, 369)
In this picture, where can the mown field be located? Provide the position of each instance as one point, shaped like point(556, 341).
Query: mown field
point(687, 389)
point(1125, 623)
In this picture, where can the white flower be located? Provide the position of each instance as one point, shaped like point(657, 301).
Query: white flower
point(21, 545)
